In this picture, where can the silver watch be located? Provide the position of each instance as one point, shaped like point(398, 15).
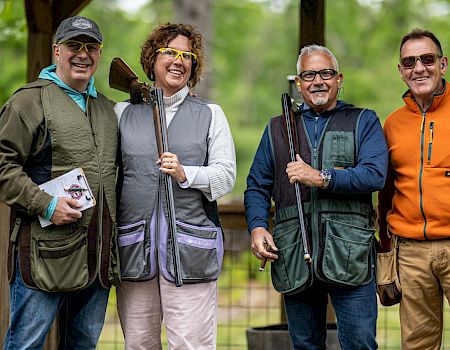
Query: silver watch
point(326, 178)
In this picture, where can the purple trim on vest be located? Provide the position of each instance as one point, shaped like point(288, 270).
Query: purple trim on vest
point(196, 242)
point(196, 227)
point(162, 245)
point(131, 239)
point(134, 224)
point(127, 239)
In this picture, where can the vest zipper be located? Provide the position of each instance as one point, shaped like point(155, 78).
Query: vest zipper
point(315, 240)
point(422, 146)
point(430, 143)
point(316, 119)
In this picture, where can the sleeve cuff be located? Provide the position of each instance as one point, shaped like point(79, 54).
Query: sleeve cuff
point(191, 173)
point(50, 208)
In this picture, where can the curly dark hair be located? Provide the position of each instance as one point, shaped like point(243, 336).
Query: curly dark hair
point(160, 37)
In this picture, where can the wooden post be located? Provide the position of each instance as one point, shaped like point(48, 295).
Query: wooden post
point(4, 285)
point(40, 35)
point(312, 22)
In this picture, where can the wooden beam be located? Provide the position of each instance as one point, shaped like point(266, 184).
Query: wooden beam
point(40, 36)
point(65, 9)
point(312, 22)
point(44, 17)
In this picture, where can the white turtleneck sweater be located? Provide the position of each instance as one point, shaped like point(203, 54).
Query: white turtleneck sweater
point(217, 178)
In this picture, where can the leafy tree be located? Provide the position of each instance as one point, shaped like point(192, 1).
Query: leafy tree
point(253, 49)
point(13, 38)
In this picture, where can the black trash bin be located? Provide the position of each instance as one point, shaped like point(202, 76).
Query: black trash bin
point(277, 337)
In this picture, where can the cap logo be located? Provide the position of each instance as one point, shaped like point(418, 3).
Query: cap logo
point(81, 23)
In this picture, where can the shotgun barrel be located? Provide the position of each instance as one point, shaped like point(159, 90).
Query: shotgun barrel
point(159, 119)
point(291, 129)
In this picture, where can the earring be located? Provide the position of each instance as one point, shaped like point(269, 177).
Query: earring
point(152, 76)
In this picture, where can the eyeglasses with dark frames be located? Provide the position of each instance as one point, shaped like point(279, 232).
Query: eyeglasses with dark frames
point(325, 74)
point(427, 59)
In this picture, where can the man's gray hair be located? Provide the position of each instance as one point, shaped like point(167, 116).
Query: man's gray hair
point(306, 50)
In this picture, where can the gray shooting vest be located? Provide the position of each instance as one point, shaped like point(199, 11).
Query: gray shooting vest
point(144, 244)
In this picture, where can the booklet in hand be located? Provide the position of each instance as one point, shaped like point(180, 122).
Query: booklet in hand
point(74, 185)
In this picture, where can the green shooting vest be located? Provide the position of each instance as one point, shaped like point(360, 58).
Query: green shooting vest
point(70, 257)
point(339, 226)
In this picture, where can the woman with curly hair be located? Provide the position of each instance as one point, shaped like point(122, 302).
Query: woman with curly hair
point(202, 167)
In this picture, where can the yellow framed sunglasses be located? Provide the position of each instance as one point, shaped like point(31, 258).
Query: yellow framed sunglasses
point(75, 45)
point(173, 54)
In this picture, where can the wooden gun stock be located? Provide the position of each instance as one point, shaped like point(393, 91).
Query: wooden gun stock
point(121, 76)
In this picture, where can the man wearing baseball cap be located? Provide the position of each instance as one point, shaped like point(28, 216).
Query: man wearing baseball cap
point(47, 128)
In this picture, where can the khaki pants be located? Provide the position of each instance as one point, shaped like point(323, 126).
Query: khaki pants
point(424, 271)
point(188, 313)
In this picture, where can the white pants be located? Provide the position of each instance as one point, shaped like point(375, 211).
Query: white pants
point(188, 313)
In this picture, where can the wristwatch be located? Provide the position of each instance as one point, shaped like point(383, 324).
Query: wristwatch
point(326, 178)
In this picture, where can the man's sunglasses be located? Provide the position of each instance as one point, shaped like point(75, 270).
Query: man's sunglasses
point(427, 59)
point(310, 75)
point(173, 54)
point(77, 46)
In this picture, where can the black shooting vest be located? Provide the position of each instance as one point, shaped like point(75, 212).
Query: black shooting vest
point(339, 226)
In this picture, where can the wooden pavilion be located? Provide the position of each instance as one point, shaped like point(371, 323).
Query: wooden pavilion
point(43, 18)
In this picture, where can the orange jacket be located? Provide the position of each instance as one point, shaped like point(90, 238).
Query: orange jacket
point(415, 202)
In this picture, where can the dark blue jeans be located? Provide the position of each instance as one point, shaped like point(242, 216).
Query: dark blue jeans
point(356, 315)
point(32, 313)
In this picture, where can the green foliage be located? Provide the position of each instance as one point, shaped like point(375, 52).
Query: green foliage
point(124, 34)
point(13, 31)
point(254, 48)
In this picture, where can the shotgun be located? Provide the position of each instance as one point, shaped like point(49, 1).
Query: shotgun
point(122, 77)
point(294, 148)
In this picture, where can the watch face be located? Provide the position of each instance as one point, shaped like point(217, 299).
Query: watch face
point(326, 178)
